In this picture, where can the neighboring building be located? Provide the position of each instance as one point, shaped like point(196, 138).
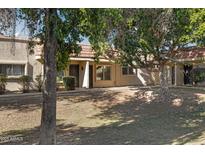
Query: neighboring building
point(189, 63)
point(15, 61)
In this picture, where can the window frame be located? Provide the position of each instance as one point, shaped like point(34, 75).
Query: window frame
point(128, 71)
point(12, 72)
point(103, 76)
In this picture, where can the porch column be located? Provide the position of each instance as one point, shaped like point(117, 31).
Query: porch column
point(86, 76)
point(168, 75)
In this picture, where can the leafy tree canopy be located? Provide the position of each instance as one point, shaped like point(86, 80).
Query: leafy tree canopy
point(139, 33)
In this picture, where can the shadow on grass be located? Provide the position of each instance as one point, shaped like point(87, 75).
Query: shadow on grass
point(27, 103)
point(21, 105)
point(146, 121)
point(142, 120)
point(27, 136)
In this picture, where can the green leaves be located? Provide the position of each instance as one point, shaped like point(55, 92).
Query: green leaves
point(68, 31)
point(72, 25)
point(196, 27)
point(133, 32)
point(136, 33)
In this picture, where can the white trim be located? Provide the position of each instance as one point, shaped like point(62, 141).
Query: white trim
point(12, 62)
point(86, 76)
point(13, 76)
point(191, 59)
point(38, 57)
point(89, 59)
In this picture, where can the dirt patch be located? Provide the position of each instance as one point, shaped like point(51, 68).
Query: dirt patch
point(112, 116)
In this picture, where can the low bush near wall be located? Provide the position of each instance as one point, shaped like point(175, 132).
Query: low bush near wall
point(25, 82)
point(39, 82)
point(69, 82)
point(3, 81)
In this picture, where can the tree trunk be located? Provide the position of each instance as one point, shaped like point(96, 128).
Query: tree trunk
point(48, 117)
point(164, 89)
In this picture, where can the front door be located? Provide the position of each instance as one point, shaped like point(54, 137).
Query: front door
point(173, 75)
point(90, 76)
point(74, 71)
point(187, 74)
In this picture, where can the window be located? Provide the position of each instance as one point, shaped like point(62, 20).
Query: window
point(126, 70)
point(12, 69)
point(103, 72)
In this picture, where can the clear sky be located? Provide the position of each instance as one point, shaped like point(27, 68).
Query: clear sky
point(21, 30)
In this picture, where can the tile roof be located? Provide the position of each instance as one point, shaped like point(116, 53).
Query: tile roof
point(86, 52)
point(190, 53)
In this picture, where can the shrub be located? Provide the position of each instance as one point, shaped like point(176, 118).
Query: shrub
point(3, 81)
point(69, 82)
point(25, 81)
point(198, 75)
point(39, 82)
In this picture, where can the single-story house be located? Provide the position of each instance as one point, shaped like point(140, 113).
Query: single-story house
point(88, 73)
point(106, 73)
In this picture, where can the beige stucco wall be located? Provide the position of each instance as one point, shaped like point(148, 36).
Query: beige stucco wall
point(169, 74)
point(143, 77)
point(179, 75)
point(20, 55)
point(96, 83)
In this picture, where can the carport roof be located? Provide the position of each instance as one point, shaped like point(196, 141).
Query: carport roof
point(190, 53)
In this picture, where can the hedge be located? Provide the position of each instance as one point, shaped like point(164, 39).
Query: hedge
point(3, 80)
point(69, 82)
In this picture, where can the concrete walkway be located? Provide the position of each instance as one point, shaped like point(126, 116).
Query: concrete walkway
point(8, 97)
point(21, 96)
point(38, 95)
